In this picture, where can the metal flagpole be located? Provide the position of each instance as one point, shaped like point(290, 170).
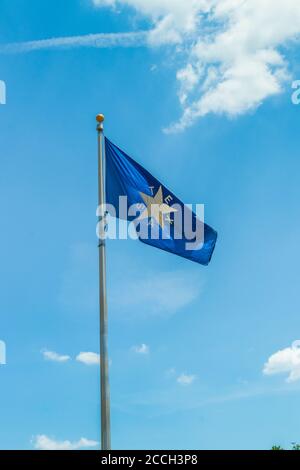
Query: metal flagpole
point(104, 381)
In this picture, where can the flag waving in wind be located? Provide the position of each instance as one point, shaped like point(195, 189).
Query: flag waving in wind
point(161, 219)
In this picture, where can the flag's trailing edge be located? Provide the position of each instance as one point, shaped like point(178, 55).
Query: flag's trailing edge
point(125, 177)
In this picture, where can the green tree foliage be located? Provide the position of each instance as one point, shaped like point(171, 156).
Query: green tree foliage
point(295, 446)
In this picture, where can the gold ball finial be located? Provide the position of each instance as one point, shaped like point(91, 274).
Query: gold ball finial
point(100, 118)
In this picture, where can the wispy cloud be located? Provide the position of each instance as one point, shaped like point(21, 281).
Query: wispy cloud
point(182, 379)
point(144, 293)
point(159, 293)
point(172, 20)
point(54, 356)
point(285, 361)
point(143, 349)
point(88, 358)
point(160, 402)
point(170, 373)
point(186, 379)
point(232, 50)
point(43, 442)
point(232, 54)
point(101, 41)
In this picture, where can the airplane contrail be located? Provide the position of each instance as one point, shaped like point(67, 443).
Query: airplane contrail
point(100, 40)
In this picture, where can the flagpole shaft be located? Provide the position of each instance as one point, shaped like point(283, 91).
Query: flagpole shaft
point(104, 362)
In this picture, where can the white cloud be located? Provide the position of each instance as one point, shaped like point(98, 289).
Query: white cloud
point(43, 442)
point(239, 64)
point(54, 356)
point(170, 373)
point(232, 53)
point(142, 349)
point(185, 379)
point(104, 3)
point(172, 19)
point(159, 293)
point(88, 358)
point(233, 50)
point(285, 361)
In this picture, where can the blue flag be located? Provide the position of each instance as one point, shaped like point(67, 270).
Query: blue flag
point(160, 218)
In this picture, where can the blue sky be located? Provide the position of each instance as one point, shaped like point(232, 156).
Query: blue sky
point(187, 362)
